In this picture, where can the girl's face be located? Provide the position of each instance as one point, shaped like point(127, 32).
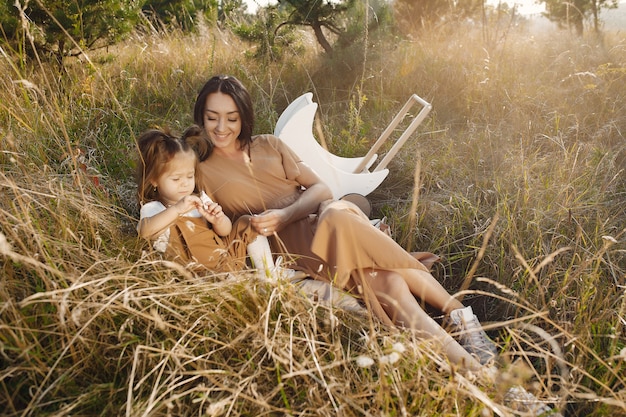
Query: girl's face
point(222, 122)
point(178, 179)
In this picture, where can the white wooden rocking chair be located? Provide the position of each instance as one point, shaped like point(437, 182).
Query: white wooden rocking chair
point(344, 176)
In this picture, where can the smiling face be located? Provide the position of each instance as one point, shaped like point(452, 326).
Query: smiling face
point(178, 179)
point(222, 122)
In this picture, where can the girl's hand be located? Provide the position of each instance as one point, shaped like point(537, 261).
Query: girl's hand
point(269, 221)
point(213, 212)
point(186, 204)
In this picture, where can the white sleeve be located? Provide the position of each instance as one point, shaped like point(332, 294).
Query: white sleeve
point(152, 209)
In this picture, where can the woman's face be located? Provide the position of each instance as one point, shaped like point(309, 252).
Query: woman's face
point(222, 121)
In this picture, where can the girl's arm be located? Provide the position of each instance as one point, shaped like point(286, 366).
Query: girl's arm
point(150, 227)
point(316, 191)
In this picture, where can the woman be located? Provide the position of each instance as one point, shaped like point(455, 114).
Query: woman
point(332, 241)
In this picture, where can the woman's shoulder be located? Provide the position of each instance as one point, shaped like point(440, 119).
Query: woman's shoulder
point(268, 141)
point(266, 138)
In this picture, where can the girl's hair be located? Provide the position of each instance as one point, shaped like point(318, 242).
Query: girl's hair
point(156, 149)
point(196, 138)
point(231, 86)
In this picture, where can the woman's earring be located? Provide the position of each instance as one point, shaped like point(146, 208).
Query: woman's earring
point(154, 189)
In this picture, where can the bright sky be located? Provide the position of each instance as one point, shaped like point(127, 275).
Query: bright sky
point(523, 6)
point(253, 4)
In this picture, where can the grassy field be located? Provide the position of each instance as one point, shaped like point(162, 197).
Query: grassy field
point(519, 179)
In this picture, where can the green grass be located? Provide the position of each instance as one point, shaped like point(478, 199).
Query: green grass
point(522, 191)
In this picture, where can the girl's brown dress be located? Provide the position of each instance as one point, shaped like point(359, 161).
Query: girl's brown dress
point(195, 244)
point(335, 244)
point(192, 242)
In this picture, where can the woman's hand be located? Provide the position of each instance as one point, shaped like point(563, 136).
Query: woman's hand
point(315, 192)
point(269, 221)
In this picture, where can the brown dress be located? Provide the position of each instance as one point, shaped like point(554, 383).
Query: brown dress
point(195, 244)
point(191, 241)
point(333, 245)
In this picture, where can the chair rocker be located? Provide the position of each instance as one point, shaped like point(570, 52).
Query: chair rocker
point(343, 175)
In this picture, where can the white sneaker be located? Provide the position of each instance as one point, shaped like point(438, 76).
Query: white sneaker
point(472, 336)
point(519, 399)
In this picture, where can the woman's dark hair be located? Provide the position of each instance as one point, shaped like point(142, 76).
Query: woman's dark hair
point(156, 149)
point(231, 86)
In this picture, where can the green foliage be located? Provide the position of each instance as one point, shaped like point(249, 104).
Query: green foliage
point(412, 16)
point(350, 25)
point(9, 22)
point(366, 22)
point(231, 10)
point(271, 45)
point(572, 14)
point(181, 13)
point(317, 15)
point(186, 15)
point(66, 28)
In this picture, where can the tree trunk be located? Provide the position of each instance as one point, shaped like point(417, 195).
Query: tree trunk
point(321, 39)
point(596, 21)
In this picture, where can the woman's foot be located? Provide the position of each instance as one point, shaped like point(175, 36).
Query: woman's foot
point(519, 399)
point(471, 335)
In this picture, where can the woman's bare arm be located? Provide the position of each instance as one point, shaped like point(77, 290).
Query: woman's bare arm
point(315, 192)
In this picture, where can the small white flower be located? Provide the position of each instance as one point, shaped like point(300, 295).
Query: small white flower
point(622, 353)
point(332, 320)
point(161, 242)
point(609, 239)
point(158, 320)
point(398, 347)
point(364, 361)
point(5, 247)
point(392, 358)
point(27, 84)
point(77, 314)
point(217, 409)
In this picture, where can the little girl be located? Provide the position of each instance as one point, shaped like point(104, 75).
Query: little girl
point(190, 229)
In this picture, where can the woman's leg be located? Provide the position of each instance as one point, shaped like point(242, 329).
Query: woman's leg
point(400, 304)
point(470, 332)
point(425, 287)
point(395, 295)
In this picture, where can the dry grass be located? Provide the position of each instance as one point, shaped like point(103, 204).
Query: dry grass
point(521, 180)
